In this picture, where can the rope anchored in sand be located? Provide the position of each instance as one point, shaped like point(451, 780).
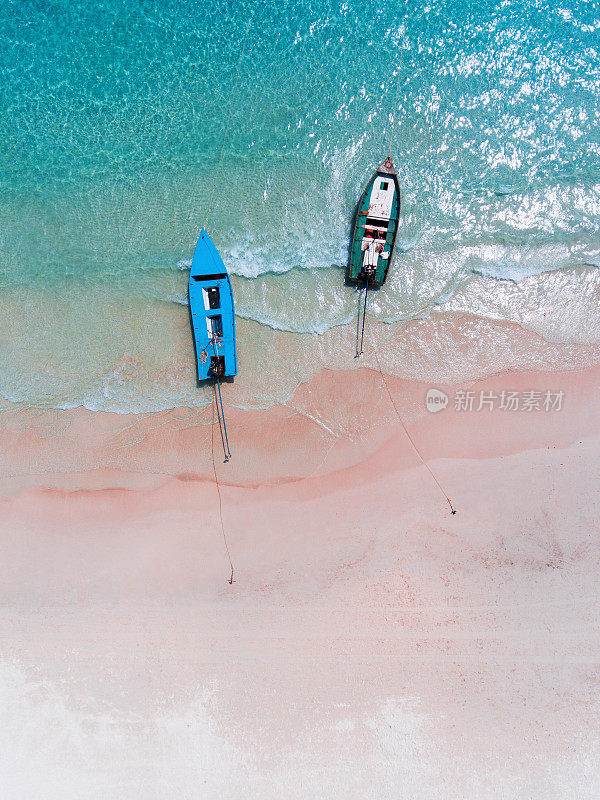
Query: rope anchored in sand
point(212, 453)
point(408, 436)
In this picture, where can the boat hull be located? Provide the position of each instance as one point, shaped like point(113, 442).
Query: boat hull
point(212, 312)
point(375, 228)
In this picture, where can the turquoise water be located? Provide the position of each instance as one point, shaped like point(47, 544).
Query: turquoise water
point(111, 121)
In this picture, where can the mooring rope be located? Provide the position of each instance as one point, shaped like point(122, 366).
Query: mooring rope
point(408, 436)
point(360, 335)
point(221, 429)
point(231, 102)
point(212, 452)
point(358, 323)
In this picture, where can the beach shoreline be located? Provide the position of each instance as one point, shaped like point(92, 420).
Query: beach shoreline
point(334, 421)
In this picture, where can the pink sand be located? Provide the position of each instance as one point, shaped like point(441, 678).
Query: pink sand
point(372, 646)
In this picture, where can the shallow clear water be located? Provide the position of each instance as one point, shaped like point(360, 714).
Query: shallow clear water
point(111, 122)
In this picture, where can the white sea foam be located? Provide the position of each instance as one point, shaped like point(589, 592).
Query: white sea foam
point(275, 325)
point(516, 263)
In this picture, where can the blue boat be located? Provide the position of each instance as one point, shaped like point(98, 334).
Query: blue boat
point(212, 312)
